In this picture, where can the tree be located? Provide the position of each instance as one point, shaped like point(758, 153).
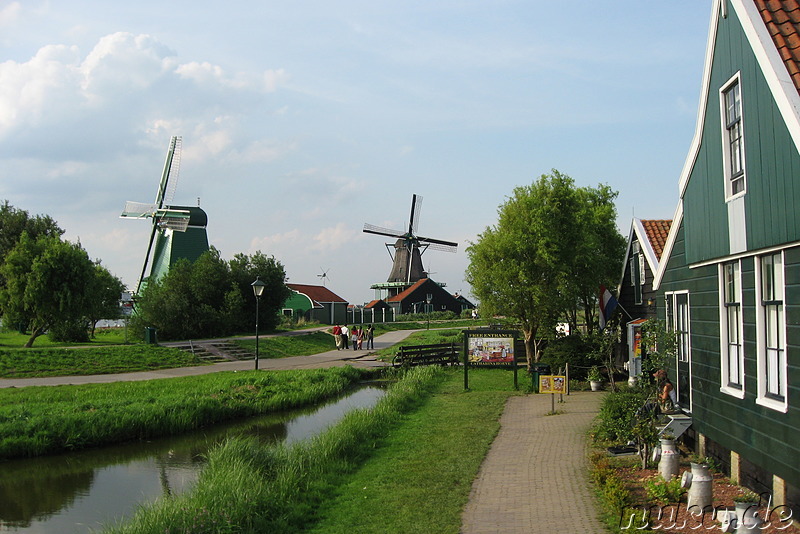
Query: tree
point(538, 263)
point(245, 269)
point(104, 292)
point(47, 283)
point(13, 222)
point(211, 297)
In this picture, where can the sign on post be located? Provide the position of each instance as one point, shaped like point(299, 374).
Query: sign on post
point(490, 348)
point(552, 384)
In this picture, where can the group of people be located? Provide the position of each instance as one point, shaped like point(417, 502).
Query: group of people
point(356, 337)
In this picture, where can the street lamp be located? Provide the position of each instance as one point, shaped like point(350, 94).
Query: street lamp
point(428, 299)
point(258, 290)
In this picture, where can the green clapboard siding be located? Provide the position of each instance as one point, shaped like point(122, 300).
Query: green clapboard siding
point(763, 436)
point(771, 160)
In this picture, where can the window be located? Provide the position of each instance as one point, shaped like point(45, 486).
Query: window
point(637, 272)
point(733, 136)
point(771, 327)
point(732, 352)
point(678, 322)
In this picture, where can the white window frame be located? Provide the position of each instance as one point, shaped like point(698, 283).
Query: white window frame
point(734, 81)
point(764, 361)
point(731, 305)
point(683, 349)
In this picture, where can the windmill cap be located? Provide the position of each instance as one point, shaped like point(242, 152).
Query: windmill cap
point(197, 217)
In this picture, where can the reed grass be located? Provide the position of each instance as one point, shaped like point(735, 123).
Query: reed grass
point(43, 420)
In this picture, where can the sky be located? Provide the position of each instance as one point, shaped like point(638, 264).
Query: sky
point(303, 120)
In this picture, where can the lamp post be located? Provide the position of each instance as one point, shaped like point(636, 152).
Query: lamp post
point(428, 299)
point(258, 290)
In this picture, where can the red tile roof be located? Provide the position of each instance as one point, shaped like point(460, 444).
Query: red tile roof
point(317, 293)
point(657, 232)
point(782, 18)
point(400, 296)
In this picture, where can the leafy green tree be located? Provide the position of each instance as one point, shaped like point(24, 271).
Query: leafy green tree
point(105, 291)
point(245, 269)
point(211, 297)
point(47, 284)
point(13, 222)
point(540, 260)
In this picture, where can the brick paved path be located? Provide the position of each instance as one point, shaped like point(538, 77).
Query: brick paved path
point(534, 479)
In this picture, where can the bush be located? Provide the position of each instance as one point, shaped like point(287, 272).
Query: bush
point(71, 332)
point(661, 491)
point(575, 350)
point(618, 417)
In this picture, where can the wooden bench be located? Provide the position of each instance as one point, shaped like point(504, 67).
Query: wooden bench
point(439, 354)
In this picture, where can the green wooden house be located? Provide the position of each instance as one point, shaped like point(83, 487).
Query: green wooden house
point(315, 303)
point(730, 274)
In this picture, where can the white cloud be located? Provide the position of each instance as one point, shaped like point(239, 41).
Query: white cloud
point(334, 238)
point(10, 13)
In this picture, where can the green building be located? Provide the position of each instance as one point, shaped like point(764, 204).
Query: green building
point(729, 279)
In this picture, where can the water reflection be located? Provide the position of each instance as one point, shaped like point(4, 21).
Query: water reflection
point(80, 491)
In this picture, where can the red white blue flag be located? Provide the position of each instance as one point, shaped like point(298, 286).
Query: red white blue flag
point(607, 303)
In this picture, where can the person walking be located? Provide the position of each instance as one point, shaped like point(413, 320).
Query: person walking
point(354, 337)
point(370, 337)
point(337, 336)
point(345, 336)
point(361, 334)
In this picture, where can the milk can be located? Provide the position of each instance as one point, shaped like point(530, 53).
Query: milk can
point(668, 465)
point(699, 482)
point(746, 519)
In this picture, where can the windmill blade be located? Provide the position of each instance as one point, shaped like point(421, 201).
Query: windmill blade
point(372, 229)
point(440, 247)
point(416, 209)
point(169, 176)
point(437, 242)
point(138, 210)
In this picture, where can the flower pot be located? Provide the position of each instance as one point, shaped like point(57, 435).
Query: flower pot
point(596, 385)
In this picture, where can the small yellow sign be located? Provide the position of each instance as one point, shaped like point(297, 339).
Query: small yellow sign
point(552, 384)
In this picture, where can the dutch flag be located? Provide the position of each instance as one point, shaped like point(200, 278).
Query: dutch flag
point(607, 303)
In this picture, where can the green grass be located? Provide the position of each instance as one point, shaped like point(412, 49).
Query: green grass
point(43, 420)
point(420, 478)
point(103, 336)
point(42, 362)
point(406, 465)
point(284, 346)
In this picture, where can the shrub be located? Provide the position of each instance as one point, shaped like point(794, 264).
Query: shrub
point(662, 491)
point(576, 350)
point(619, 414)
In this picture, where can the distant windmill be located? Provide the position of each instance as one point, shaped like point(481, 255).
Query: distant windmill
point(167, 219)
point(324, 275)
point(409, 247)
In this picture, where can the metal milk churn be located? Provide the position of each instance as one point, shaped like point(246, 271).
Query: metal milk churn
point(699, 482)
point(668, 465)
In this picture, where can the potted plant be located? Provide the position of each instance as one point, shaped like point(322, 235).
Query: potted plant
point(595, 379)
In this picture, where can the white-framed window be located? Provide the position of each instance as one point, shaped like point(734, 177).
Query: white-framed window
point(733, 136)
point(731, 327)
point(636, 264)
point(771, 332)
point(677, 307)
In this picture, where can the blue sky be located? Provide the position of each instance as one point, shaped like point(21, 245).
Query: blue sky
point(301, 120)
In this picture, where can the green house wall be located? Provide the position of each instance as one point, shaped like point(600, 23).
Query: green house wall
point(771, 199)
point(763, 436)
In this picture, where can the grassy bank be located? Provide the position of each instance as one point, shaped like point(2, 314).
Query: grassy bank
point(32, 363)
point(382, 470)
point(43, 420)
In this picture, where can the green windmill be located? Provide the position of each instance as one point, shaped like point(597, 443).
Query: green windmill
point(177, 231)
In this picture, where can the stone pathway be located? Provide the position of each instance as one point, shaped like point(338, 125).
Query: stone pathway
point(535, 478)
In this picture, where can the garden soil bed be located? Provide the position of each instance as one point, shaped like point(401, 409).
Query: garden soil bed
point(676, 518)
